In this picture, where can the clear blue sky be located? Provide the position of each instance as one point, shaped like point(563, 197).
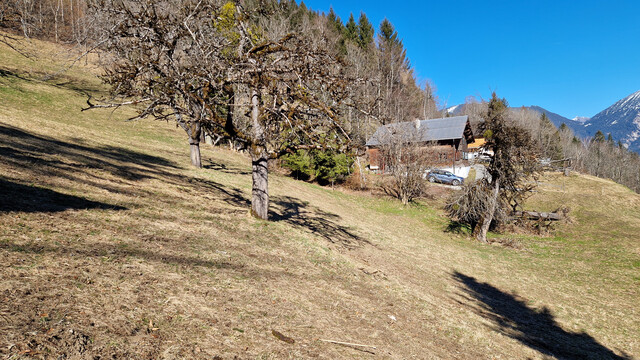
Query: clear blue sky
point(571, 57)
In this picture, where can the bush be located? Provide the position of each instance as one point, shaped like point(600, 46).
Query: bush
point(300, 164)
point(326, 167)
point(331, 167)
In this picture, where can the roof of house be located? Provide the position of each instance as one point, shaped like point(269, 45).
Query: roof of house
point(450, 128)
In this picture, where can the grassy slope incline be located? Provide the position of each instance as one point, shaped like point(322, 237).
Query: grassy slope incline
point(112, 245)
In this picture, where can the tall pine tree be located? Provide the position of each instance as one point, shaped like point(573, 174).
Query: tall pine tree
point(351, 29)
point(365, 32)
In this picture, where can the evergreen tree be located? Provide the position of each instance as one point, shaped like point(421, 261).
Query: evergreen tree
point(599, 137)
point(393, 65)
point(351, 29)
point(365, 31)
point(335, 21)
point(387, 32)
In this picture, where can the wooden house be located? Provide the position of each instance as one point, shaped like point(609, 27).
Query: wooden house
point(445, 138)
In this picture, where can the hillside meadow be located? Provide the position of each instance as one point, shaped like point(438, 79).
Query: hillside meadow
point(113, 246)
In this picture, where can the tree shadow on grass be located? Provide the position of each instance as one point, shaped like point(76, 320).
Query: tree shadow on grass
point(8, 73)
point(290, 210)
point(122, 253)
point(300, 214)
point(534, 328)
point(116, 251)
point(225, 169)
point(230, 195)
point(45, 156)
point(456, 227)
point(23, 198)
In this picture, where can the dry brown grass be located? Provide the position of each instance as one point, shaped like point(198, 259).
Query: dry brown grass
point(112, 246)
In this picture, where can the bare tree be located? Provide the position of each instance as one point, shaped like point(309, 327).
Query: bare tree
point(406, 160)
point(164, 57)
point(512, 170)
point(194, 61)
point(296, 85)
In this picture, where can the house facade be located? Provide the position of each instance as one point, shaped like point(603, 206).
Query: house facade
point(445, 139)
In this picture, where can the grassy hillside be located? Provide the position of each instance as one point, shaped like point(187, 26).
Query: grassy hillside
point(111, 245)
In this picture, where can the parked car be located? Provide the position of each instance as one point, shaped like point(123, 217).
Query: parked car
point(445, 177)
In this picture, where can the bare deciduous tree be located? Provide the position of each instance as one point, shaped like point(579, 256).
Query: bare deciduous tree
point(512, 170)
point(296, 86)
point(406, 160)
point(164, 58)
point(194, 61)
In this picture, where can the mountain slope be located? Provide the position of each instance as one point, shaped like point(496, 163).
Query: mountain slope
point(621, 119)
point(556, 119)
point(112, 246)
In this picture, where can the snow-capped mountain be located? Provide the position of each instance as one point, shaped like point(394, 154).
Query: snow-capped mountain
point(621, 119)
point(581, 119)
point(454, 109)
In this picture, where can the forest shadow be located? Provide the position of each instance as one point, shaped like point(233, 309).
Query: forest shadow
point(534, 328)
point(300, 214)
point(23, 198)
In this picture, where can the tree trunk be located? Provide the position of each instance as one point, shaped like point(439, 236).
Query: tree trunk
point(481, 229)
point(195, 155)
point(259, 163)
point(193, 130)
point(194, 133)
point(260, 188)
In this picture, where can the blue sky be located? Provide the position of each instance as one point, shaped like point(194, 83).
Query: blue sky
point(572, 57)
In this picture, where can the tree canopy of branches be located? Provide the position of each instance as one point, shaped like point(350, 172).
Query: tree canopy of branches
point(165, 58)
point(512, 169)
point(406, 160)
point(197, 60)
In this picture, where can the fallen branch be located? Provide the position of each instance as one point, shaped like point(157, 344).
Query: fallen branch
point(347, 344)
point(534, 215)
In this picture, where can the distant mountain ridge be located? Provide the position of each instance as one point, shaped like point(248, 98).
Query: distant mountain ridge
point(556, 119)
point(621, 120)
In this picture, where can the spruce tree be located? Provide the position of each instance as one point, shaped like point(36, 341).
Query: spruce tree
point(351, 29)
point(387, 32)
point(599, 137)
point(335, 21)
point(365, 31)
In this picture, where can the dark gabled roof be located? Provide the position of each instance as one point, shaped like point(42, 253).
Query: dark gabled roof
point(450, 128)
